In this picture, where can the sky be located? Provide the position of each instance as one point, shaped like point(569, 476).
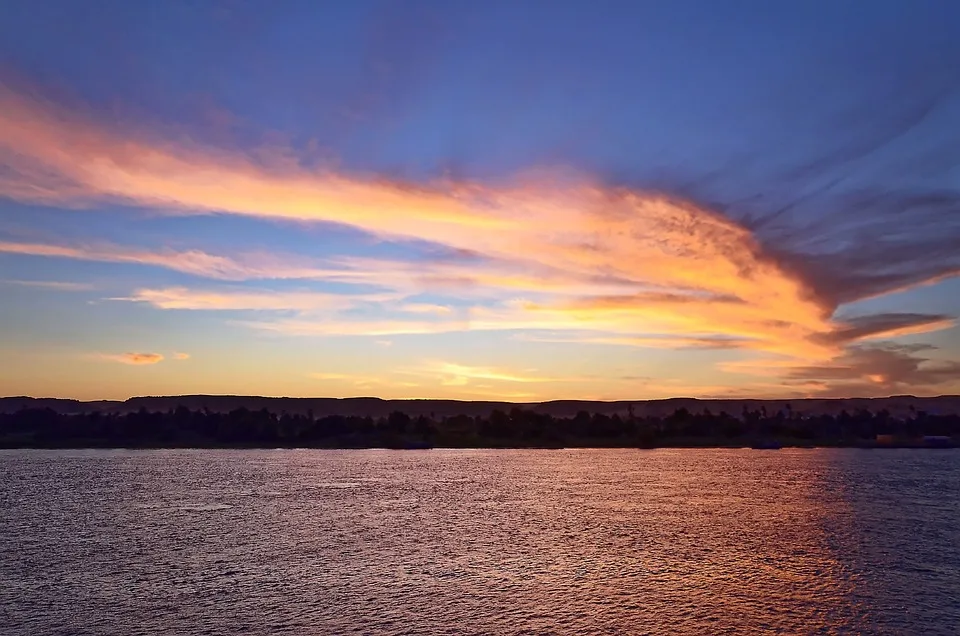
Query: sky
point(480, 200)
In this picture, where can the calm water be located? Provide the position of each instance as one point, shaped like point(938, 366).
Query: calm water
point(479, 542)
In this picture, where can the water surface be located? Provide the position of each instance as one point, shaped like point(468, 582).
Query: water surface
point(479, 542)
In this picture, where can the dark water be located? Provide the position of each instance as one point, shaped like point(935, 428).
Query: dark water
point(479, 542)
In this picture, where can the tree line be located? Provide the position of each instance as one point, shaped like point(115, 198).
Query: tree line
point(518, 427)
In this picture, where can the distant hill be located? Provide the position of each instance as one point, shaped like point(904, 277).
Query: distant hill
point(376, 407)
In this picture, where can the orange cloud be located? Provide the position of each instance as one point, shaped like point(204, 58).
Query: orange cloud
point(654, 341)
point(181, 356)
point(632, 266)
point(134, 358)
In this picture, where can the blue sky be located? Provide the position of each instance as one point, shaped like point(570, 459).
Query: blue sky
point(526, 200)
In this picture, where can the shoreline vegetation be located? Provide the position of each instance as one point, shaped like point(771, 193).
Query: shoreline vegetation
point(763, 428)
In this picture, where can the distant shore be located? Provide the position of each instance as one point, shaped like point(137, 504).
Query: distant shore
point(762, 429)
point(900, 406)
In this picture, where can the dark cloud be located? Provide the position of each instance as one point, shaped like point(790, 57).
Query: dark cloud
point(862, 327)
point(874, 243)
point(883, 369)
point(871, 210)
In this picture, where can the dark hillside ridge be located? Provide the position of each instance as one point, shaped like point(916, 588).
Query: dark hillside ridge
point(901, 405)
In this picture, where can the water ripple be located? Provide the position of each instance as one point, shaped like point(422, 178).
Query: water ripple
point(479, 542)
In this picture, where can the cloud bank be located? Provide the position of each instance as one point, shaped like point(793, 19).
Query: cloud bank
point(564, 254)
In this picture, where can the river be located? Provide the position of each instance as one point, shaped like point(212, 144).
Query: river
point(479, 542)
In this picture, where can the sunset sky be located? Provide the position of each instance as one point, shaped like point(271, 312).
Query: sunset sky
point(521, 200)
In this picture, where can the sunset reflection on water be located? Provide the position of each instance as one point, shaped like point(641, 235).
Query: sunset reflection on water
point(481, 542)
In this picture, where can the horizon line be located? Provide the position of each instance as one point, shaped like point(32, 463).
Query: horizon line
point(500, 401)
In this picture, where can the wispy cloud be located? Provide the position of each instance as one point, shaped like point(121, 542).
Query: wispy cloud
point(426, 308)
point(450, 373)
point(882, 368)
point(331, 376)
point(364, 382)
point(181, 356)
point(316, 326)
point(241, 299)
point(192, 261)
point(652, 341)
point(50, 284)
point(433, 378)
point(133, 358)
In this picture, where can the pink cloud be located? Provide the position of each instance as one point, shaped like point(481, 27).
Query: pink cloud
point(134, 358)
